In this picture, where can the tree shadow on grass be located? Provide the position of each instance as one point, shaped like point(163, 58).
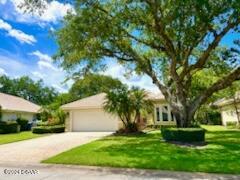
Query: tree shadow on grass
point(222, 155)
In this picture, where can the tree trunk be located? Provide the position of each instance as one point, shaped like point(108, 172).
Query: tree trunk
point(184, 116)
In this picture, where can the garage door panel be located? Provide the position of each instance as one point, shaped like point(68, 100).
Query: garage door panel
point(93, 120)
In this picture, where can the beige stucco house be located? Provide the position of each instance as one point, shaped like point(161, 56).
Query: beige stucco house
point(14, 107)
point(88, 114)
point(230, 109)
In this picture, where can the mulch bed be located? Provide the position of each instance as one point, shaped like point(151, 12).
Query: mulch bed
point(188, 144)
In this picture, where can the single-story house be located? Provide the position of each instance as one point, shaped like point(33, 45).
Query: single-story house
point(87, 114)
point(230, 109)
point(14, 107)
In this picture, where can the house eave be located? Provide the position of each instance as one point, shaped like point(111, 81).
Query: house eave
point(19, 111)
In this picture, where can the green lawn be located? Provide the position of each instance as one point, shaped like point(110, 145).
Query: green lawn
point(8, 138)
point(221, 155)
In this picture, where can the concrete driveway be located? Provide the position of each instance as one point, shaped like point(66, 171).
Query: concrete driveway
point(36, 150)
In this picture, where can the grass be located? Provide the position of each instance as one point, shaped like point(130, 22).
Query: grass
point(221, 155)
point(9, 138)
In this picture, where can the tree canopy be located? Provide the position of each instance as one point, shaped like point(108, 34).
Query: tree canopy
point(92, 84)
point(170, 41)
point(28, 89)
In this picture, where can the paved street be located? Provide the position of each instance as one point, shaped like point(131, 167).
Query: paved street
point(67, 172)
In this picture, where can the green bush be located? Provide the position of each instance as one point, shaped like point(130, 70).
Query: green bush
point(183, 134)
point(208, 115)
point(23, 123)
point(232, 124)
point(59, 115)
point(50, 122)
point(48, 129)
point(41, 123)
point(9, 127)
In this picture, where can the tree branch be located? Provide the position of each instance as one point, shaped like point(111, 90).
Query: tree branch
point(219, 85)
point(150, 44)
point(217, 38)
point(154, 6)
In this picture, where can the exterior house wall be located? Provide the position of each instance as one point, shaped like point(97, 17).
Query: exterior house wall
point(85, 120)
point(229, 114)
point(67, 122)
point(6, 116)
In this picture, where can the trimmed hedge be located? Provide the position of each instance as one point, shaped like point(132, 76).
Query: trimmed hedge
point(9, 127)
point(23, 123)
point(183, 134)
point(231, 124)
point(48, 129)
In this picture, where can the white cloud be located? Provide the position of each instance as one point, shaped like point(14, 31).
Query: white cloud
point(59, 88)
point(41, 56)
point(43, 65)
point(2, 72)
point(5, 26)
point(38, 74)
point(17, 34)
point(117, 71)
point(3, 1)
point(21, 36)
point(53, 12)
point(44, 61)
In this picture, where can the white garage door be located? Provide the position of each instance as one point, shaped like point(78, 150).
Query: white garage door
point(93, 120)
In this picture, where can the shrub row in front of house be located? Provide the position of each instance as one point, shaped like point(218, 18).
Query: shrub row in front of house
point(9, 127)
point(14, 126)
point(183, 134)
point(48, 129)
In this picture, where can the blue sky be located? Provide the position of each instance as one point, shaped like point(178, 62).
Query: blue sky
point(26, 46)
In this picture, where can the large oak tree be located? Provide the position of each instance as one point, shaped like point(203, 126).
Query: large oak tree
point(168, 40)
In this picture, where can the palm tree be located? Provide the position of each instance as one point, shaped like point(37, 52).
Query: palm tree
point(128, 105)
point(141, 103)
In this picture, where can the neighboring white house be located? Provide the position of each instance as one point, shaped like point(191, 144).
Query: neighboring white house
point(229, 109)
point(87, 114)
point(14, 107)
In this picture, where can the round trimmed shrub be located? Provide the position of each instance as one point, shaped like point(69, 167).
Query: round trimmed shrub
point(9, 127)
point(23, 123)
point(183, 134)
point(48, 129)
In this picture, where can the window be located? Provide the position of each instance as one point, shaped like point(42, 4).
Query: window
point(165, 113)
point(158, 114)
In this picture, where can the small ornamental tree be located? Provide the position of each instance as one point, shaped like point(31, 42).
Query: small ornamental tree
point(128, 105)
